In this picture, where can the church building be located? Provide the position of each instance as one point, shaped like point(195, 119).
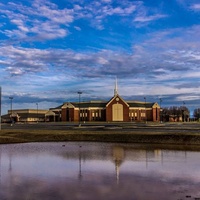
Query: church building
point(114, 110)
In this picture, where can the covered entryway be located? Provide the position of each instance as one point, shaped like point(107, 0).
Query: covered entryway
point(117, 112)
point(53, 116)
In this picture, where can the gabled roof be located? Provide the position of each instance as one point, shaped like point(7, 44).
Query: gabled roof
point(67, 105)
point(116, 96)
point(155, 105)
point(50, 113)
point(58, 107)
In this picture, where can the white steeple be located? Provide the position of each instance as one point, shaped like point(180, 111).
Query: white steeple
point(115, 90)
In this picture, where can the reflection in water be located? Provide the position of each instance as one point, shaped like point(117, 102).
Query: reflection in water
point(118, 156)
point(10, 161)
point(0, 164)
point(80, 173)
point(97, 171)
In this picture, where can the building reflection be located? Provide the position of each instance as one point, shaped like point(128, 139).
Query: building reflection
point(80, 164)
point(10, 161)
point(0, 164)
point(118, 157)
point(120, 154)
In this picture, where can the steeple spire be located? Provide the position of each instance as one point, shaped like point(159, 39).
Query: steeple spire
point(115, 90)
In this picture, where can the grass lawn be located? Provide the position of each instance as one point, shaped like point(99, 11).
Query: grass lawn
point(161, 137)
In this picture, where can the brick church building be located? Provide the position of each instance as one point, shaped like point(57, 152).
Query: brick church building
point(114, 110)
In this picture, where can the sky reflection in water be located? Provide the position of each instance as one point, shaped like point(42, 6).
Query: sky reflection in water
point(97, 171)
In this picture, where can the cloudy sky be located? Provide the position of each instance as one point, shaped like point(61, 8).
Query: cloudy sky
point(51, 49)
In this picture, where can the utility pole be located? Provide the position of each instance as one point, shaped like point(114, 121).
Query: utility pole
point(37, 111)
point(11, 98)
point(160, 111)
point(145, 110)
point(183, 112)
point(79, 93)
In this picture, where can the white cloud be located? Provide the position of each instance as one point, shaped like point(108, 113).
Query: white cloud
point(157, 57)
point(149, 18)
point(15, 71)
point(97, 12)
point(43, 18)
point(20, 24)
point(77, 7)
point(42, 21)
point(51, 12)
point(102, 61)
point(195, 7)
point(77, 28)
point(119, 10)
point(47, 30)
point(107, 1)
point(188, 97)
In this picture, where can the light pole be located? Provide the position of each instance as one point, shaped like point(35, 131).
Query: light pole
point(183, 111)
point(37, 111)
point(145, 110)
point(11, 98)
point(160, 111)
point(79, 93)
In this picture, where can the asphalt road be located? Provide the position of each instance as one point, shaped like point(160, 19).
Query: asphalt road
point(144, 127)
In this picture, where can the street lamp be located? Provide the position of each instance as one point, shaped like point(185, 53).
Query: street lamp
point(183, 111)
point(11, 98)
point(145, 110)
point(160, 111)
point(79, 93)
point(37, 111)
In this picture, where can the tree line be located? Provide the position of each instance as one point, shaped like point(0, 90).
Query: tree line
point(175, 114)
point(196, 113)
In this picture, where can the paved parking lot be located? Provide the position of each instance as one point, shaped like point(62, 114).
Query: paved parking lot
point(149, 127)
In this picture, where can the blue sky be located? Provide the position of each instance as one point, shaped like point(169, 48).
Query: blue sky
point(51, 49)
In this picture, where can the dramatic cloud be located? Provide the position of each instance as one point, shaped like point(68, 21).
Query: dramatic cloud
point(41, 21)
point(49, 50)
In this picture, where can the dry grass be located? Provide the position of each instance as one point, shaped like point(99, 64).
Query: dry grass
point(139, 136)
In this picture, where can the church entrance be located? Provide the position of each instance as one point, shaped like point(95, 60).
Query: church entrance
point(117, 112)
point(67, 115)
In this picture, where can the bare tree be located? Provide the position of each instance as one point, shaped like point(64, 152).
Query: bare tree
point(175, 113)
point(196, 113)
